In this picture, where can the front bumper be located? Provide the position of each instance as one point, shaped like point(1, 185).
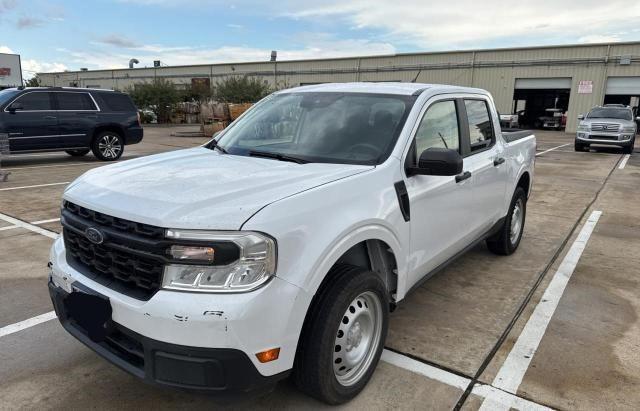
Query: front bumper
point(614, 139)
point(220, 370)
point(201, 325)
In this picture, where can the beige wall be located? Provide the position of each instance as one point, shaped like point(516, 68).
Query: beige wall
point(493, 70)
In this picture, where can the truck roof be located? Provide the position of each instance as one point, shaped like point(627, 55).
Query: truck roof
point(397, 88)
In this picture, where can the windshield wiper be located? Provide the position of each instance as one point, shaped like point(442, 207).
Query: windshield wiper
point(214, 144)
point(277, 156)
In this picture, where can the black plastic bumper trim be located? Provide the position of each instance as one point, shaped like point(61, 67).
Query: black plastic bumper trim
point(223, 371)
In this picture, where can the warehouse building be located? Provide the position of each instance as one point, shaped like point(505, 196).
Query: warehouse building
point(569, 79)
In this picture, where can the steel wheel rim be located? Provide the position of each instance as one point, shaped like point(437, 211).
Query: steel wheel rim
point(516, 221)
point(109, 146)
point(357, 339)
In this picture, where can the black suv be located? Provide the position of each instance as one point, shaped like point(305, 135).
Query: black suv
point(69, 119)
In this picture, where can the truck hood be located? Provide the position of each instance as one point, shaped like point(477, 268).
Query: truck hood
point(197, 188)
point(609, 121)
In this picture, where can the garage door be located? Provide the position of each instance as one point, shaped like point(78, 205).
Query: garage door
point(543, 83)
point(628, 86)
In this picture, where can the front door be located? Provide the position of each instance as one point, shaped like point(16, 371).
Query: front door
point(440, 218)
point(32, 122)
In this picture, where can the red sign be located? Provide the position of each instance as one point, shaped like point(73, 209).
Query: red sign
point(5, 71)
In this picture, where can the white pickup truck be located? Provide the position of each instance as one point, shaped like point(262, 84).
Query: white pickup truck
point(281, 246)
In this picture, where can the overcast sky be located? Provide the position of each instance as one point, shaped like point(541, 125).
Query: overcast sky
point(56, 35)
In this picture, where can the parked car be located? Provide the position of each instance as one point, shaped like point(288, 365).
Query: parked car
point(69, 119)
point(274, 251)
point(554, 118)
point(509, 121)
point(607, 125)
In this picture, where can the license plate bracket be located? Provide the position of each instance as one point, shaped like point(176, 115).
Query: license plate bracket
point(91, 312)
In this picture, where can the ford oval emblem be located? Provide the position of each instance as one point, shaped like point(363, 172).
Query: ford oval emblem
point(94, 235)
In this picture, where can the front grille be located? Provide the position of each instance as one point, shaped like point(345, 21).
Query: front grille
point(131, 258)
point(605, 127)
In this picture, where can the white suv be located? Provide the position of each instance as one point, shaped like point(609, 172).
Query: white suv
point(281, 246)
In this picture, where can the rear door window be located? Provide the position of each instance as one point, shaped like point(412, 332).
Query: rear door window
point(75, 102)
point(481, 133)
point(35, 101)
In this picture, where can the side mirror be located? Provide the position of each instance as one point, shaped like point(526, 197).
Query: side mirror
point(438, 162)
point(15, 107)
point(580, 116)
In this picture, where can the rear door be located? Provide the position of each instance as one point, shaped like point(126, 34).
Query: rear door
point(33, 125)
point(77, 116)
point(484, 158)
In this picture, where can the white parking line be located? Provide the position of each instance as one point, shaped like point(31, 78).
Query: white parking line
point(515, 366)
point(28, 226)
point(22, 325)
point(11, 227)
point(34, 186)
point(551, 149)
point(623, 163)
point(427, 370)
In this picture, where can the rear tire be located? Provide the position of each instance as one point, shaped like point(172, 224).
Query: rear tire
point(108, 146)
point(343, 336)
point(507, 240)
point(77, 153)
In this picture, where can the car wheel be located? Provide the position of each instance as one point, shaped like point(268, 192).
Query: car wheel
point(77, 153)
point(629, 149)
point(507, 240)
point(581, 146)
point(343, 336)
point(108, 146)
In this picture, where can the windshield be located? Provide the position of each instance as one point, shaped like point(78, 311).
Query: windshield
point(7, 95)
point(348, 128)
point(608, 112)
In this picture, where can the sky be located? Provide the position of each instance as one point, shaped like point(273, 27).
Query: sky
point(57, 35)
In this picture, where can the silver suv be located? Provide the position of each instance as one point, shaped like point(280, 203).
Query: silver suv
point(607, 125)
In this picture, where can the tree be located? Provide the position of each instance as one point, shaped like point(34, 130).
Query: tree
point(160, 96)
point(241, 89)
point(33, 82)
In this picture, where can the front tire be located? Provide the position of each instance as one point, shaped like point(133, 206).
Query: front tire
point(343, 336)
point(581, 146)
point(77, 153)
point(507, 240)
point(108, 146)
point(629, 149)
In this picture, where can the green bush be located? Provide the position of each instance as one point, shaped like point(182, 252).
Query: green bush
point(241, 89)
point(160, 96)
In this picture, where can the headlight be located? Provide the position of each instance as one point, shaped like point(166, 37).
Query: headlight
point(583, 127)
point(219, 261)
point(629, 130)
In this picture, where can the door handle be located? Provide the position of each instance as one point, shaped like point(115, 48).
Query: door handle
point(463, 176)
point(49, 117)
point(92, 116)
point(498, 161)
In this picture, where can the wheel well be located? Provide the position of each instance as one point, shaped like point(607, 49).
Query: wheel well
point(113, 128)
point(376, 256)
point(525, 183)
